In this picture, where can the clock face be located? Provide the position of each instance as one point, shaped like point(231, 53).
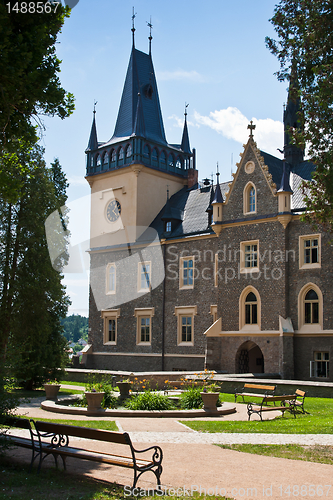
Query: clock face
point(113, 211)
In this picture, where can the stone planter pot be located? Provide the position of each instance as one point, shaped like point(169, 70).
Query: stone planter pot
point(209, 400)
point(124, 388)
point(94, 400)
point(51, 391)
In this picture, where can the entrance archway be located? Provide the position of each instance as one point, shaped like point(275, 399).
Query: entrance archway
point(249, 358)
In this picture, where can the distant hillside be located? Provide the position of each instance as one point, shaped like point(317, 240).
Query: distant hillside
point(75, 327)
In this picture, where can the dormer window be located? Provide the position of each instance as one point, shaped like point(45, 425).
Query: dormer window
point(146, 151)
point(105, 158)
point(168, 227)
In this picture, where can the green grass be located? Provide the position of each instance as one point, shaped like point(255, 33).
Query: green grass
point(108, 425)
point(319, 454)
point(67, 382)
point(319, 420)
point(52, 484)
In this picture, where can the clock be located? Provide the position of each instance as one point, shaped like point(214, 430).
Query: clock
point(113, 210)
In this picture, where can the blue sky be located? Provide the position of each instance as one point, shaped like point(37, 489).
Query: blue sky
point(210, 54)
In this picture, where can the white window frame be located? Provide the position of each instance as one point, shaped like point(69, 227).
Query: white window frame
point(141, 313)
point(144, 285)
point(213, 312)
point(302, 240)
point(109, 291)
point(314, 368)
point(244, 253)
point(109, 314)
point(182, 282)
point(185, 312)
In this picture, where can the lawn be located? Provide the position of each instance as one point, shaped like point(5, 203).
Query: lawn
point(318, 420)
point(107, 425)
point(316, 453)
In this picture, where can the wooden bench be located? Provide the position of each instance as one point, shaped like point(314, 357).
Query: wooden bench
point(26, 442)
point(286, 403)
point(298, 402)
point(54, 440)
point(267, 390)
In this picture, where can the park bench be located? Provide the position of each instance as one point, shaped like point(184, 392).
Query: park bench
point(11, 438)
point(286, 403)
point(298, 402)
point(54, 440)
point(265, 390)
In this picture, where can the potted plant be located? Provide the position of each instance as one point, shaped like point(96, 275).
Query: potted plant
point(94, 395)
point(51, 388)
point(124, 386)
point(210, 396)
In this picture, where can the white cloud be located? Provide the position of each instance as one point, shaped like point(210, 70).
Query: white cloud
point(180, 74)
point(179, 122)
point(76, 180)
point(232, 124)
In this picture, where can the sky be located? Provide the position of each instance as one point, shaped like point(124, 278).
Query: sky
point(211, 55)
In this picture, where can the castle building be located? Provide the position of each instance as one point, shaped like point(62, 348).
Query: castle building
point(188, 275)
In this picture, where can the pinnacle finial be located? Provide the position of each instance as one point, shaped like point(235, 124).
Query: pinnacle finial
point(217, 171)
point(150, 35)
point(251, 126)
point(186, 106)
point(133, 27)
point(95, 102)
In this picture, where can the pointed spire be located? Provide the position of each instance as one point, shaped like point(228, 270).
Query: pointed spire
point(218, 198)
point(285, 185)
point(93, 143)
point(185, 144)
point(293, 154)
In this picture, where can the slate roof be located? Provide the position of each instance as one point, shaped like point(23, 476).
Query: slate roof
point(192, 203)
point(140, 79)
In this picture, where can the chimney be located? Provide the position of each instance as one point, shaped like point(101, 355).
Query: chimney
point(192, 177)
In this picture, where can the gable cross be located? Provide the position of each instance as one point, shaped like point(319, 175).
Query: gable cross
point(251, 127)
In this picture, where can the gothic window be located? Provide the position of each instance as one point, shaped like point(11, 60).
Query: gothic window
point(154, 157)
point(163, 159)
point(146, 151)
point(249, 199)
point(98, 161)
point(105, 158)
point(171, 160)
point(179, 162)
point(113, 157)
point(311, 307)
point(251, 309)
point(121, 154)
point(129, 151)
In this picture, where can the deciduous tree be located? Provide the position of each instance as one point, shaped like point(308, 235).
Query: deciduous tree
point(305, 39)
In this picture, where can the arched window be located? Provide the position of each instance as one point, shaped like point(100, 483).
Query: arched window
point(250, 310)
point(154, 157)
point(146, 151)
point(310, 308)
point(98, 161)
point(163, 159)
point(92, 161)
point(105, 158)
point(129, 151)
point(120, 156)
point(249, 199)
point(113, 157)
point(171, 160)
point(179, 162)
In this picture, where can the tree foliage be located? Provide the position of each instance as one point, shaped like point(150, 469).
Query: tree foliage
point(305, 40)
point(75, 327)
point(29, 68)
point(32, 297)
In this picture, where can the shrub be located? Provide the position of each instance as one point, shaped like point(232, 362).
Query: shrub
point(191, 398)
point(149, 400)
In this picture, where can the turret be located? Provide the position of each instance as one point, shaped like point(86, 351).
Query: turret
point(284, 197)
point(217, 204)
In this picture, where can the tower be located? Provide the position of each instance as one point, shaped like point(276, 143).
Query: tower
point(129, 174)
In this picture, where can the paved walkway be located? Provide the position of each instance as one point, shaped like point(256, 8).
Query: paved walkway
point(191, 461)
